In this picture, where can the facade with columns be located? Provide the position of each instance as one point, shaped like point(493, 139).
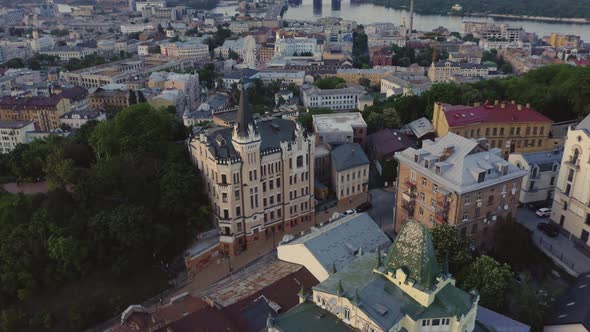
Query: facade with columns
point(259, 177)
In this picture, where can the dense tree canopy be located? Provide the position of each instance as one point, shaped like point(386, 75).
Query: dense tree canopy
point(560, 8)
point(490, 278)
point(122, 194)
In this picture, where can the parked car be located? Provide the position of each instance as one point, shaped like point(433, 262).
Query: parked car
point(543, 212)
point(366, 206)
point(348, 212)
point(549, 229)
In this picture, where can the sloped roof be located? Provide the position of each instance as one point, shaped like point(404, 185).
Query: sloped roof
point(572, 307)
point(413, 252)
point(461, 115)
point(337, 242)
point(347, 156)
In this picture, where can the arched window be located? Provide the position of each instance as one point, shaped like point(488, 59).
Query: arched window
point(575, 156)
point(346, 313)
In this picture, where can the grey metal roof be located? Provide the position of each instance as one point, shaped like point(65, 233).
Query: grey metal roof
point(347, 156)
point(14, 124)
point(572, 307)
point(544, 159)
point(421, 127)
point(498, 322)
point(337, 242)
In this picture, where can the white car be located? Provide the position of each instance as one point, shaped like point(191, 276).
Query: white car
point(543, 212)
point(349, 212)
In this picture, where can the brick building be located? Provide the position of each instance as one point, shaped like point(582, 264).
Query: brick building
point(457, 181)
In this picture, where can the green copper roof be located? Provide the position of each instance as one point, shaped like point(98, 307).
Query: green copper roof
point(413, 252)
point(310, 318)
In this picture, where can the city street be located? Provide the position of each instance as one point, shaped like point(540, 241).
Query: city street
point(560, 248)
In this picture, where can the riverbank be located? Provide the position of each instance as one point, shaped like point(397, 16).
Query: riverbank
point(531, 18)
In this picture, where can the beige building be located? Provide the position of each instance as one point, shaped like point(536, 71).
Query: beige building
point(45, 111)
point(350, 170)
point(510, 127)
point(374, 75)
point(457, 181)
point(259, 177)
point(194, 50)
point(446, 71)
point(571, 204)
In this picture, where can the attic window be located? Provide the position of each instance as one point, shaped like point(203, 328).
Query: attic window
point(481, 177)
point(437, 170)
point(415, 158)
point(427, 163)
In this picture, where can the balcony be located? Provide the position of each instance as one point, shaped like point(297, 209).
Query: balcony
point(441, 219)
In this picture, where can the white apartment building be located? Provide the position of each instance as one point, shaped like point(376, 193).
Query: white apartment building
point(258, 175)
point(286, 77)
point(132, 28)
point(350, 170)
point(445, 71)
point(488, 30)
point(77, 119)
point(196, 50)
point(378, 40)
point(290, 46)
point(139, 5)
point(65, 53)
point(542, 168)
point(13, 133)
point(245, 47)
point(571, 204)
point(488, 45)
point(334, 99)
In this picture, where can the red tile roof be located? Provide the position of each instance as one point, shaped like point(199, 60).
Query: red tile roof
point(582, 62)
point(461, 115)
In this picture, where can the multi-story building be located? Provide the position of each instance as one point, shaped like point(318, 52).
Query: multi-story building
point(571, 203)
point(405, 290)
point(126, 71)
point(66, 53)
point(13, 133)
point(488, 30)
point(489, 45)
point(374, 75)
point(334, 99)
point(139, 5)
point(538, 185)
point(559, 40)
point(259, 176)
point(76, 119)
point(457, 181)
point(265, 53)
point(244, 47)
point(133, 28)
point(381, 56)
point(507, 126)
point(110, 96)
point(445, 71)
point(286, 77)
point(45, 111)
point(195, 50)
point(296, 46)
point(350, 170)
point(339, 128)
point(160, 13)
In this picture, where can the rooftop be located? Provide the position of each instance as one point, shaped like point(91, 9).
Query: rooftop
point(460, 115)
point(14, 124)
point(572, 307)
point(337, 243)
point(544, 159)
point(387, 141)
point(313, 90)
point(336, 122)
point(457, 163)
point(347, 156)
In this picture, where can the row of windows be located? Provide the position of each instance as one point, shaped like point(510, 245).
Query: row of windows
point(354, 175)
point(349, 189)
point(436, 322)
point(293, 178)
point(293, 193)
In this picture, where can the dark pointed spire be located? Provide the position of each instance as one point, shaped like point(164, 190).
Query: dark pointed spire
point(244, 115)
point(340, 289)
point(379, 262)
point(356, 300)
point(333, 268)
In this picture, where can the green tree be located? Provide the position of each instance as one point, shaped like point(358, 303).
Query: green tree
point(330, 83)
point(306, 119)
point(490, 278)
point(14, 63)
point(452, 246)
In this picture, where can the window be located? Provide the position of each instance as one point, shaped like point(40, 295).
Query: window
point(467, 200)
point(481, 177)
point(479, 196)
point(413, 176)
point(237, 194)
point(434, 188)
point(421, 211)
point(490, 200)
point(299, 161)
point(238, 212)
point(224, 197)
point(465, 216)
point(346, 313)
point(568, 189)
point(436, 322)
point(565, 206)
point(425, 322)
point(424, 181)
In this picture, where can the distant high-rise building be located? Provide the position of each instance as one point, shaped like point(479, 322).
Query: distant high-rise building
point(131, 5)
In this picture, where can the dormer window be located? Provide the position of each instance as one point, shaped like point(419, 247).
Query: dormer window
point(427, 163)
point(481, 177)
point(416, 158)
point(437, 170)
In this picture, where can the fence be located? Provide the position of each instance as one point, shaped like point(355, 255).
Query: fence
point(557, 255)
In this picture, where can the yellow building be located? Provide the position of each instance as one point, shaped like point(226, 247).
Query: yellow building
point(558, 40)
point(405, 290)
point(508, 126)
point(45, 111)
point(374, 75)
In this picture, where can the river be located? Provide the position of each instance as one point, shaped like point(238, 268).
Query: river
point(366, 13)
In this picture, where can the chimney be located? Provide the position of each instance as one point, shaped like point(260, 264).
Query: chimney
point(447, 152)
point(476, 104)
point(528, 105)
point(503, 105)
point(496, 102)
point(519, 107)
point(512, 102)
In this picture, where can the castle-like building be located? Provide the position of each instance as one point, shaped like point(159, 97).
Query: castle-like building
point(258, 174)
